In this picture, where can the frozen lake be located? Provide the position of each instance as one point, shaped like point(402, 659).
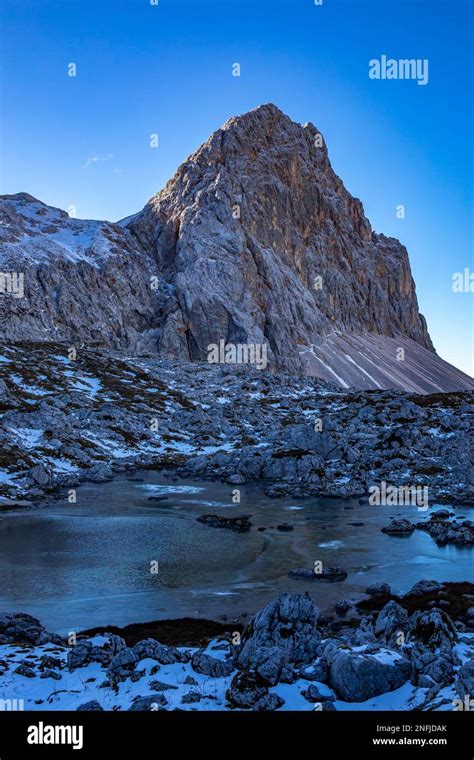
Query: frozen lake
point(91, 563)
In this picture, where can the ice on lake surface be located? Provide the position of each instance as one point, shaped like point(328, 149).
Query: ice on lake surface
point(89, 564)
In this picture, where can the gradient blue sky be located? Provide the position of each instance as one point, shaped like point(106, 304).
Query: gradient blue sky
point(166, 69)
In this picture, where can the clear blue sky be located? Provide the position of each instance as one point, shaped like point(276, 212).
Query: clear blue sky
point(166, 69)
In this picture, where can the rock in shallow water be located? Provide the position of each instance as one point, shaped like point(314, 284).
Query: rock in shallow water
point(331, 574)
point(241, 524)
point(399, 528)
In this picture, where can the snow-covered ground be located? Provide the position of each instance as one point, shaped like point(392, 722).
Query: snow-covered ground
point(74, 688)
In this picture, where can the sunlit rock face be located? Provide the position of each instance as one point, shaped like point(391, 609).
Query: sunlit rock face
point(254, 241)
point(82, 281)
point(261, 242)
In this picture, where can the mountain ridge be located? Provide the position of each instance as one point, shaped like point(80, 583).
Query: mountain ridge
point(253, 240)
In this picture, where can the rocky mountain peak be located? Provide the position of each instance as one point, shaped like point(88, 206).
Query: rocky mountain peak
point(283, 254)
point(255, 241)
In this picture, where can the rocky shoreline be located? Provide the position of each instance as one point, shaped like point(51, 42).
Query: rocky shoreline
point(385, 652)
point(66, 421)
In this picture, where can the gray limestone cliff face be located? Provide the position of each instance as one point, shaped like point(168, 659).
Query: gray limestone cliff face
point(82, 281)
point(261, 242)
point(255, 240)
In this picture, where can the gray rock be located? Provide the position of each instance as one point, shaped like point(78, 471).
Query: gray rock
point(436, 666)
point(191, 698)
point(378, 589)
point(268, 703)
point(236, 479)
point(115, 643)
point(149, 648)
point(151, 702)
point(356, 677)
point(79, 655)
point(160, 686)
point(331, 574)
point(328, 707)
point(446, 532)
point(241, 523)
point(22, 629)
point(465, 680)
point(470, 615)
point(245, 691)
point(317, 671)
point(342, 607)
point(288, 624)
point(432, 628)
point(91, 706)
point(391, 621)
point(315, 694)
point(210, 666)
point(123, 663)
point(399, 528)
point(424, 587)
point(99, 292)
point(39, 475)
point(271, 665)
point(49, 673)
point(24, 670)
point(100, 473)
point(365, 633)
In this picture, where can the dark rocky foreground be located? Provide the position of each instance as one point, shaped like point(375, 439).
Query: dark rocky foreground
point(416, 651)
point(67, 421)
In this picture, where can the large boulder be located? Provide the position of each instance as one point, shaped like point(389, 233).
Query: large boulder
point(39, 475)
point(391, 621)
point(122, 664)
point(150, 648)
point(210, 666)
point(464, 683)
point(84, 653)
point(114, 643)
point(424, 587)
point(284, 631)
point(437, 666)
point(21, 628)
point(245, 691)
point(432, 628)
point(358, 676)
